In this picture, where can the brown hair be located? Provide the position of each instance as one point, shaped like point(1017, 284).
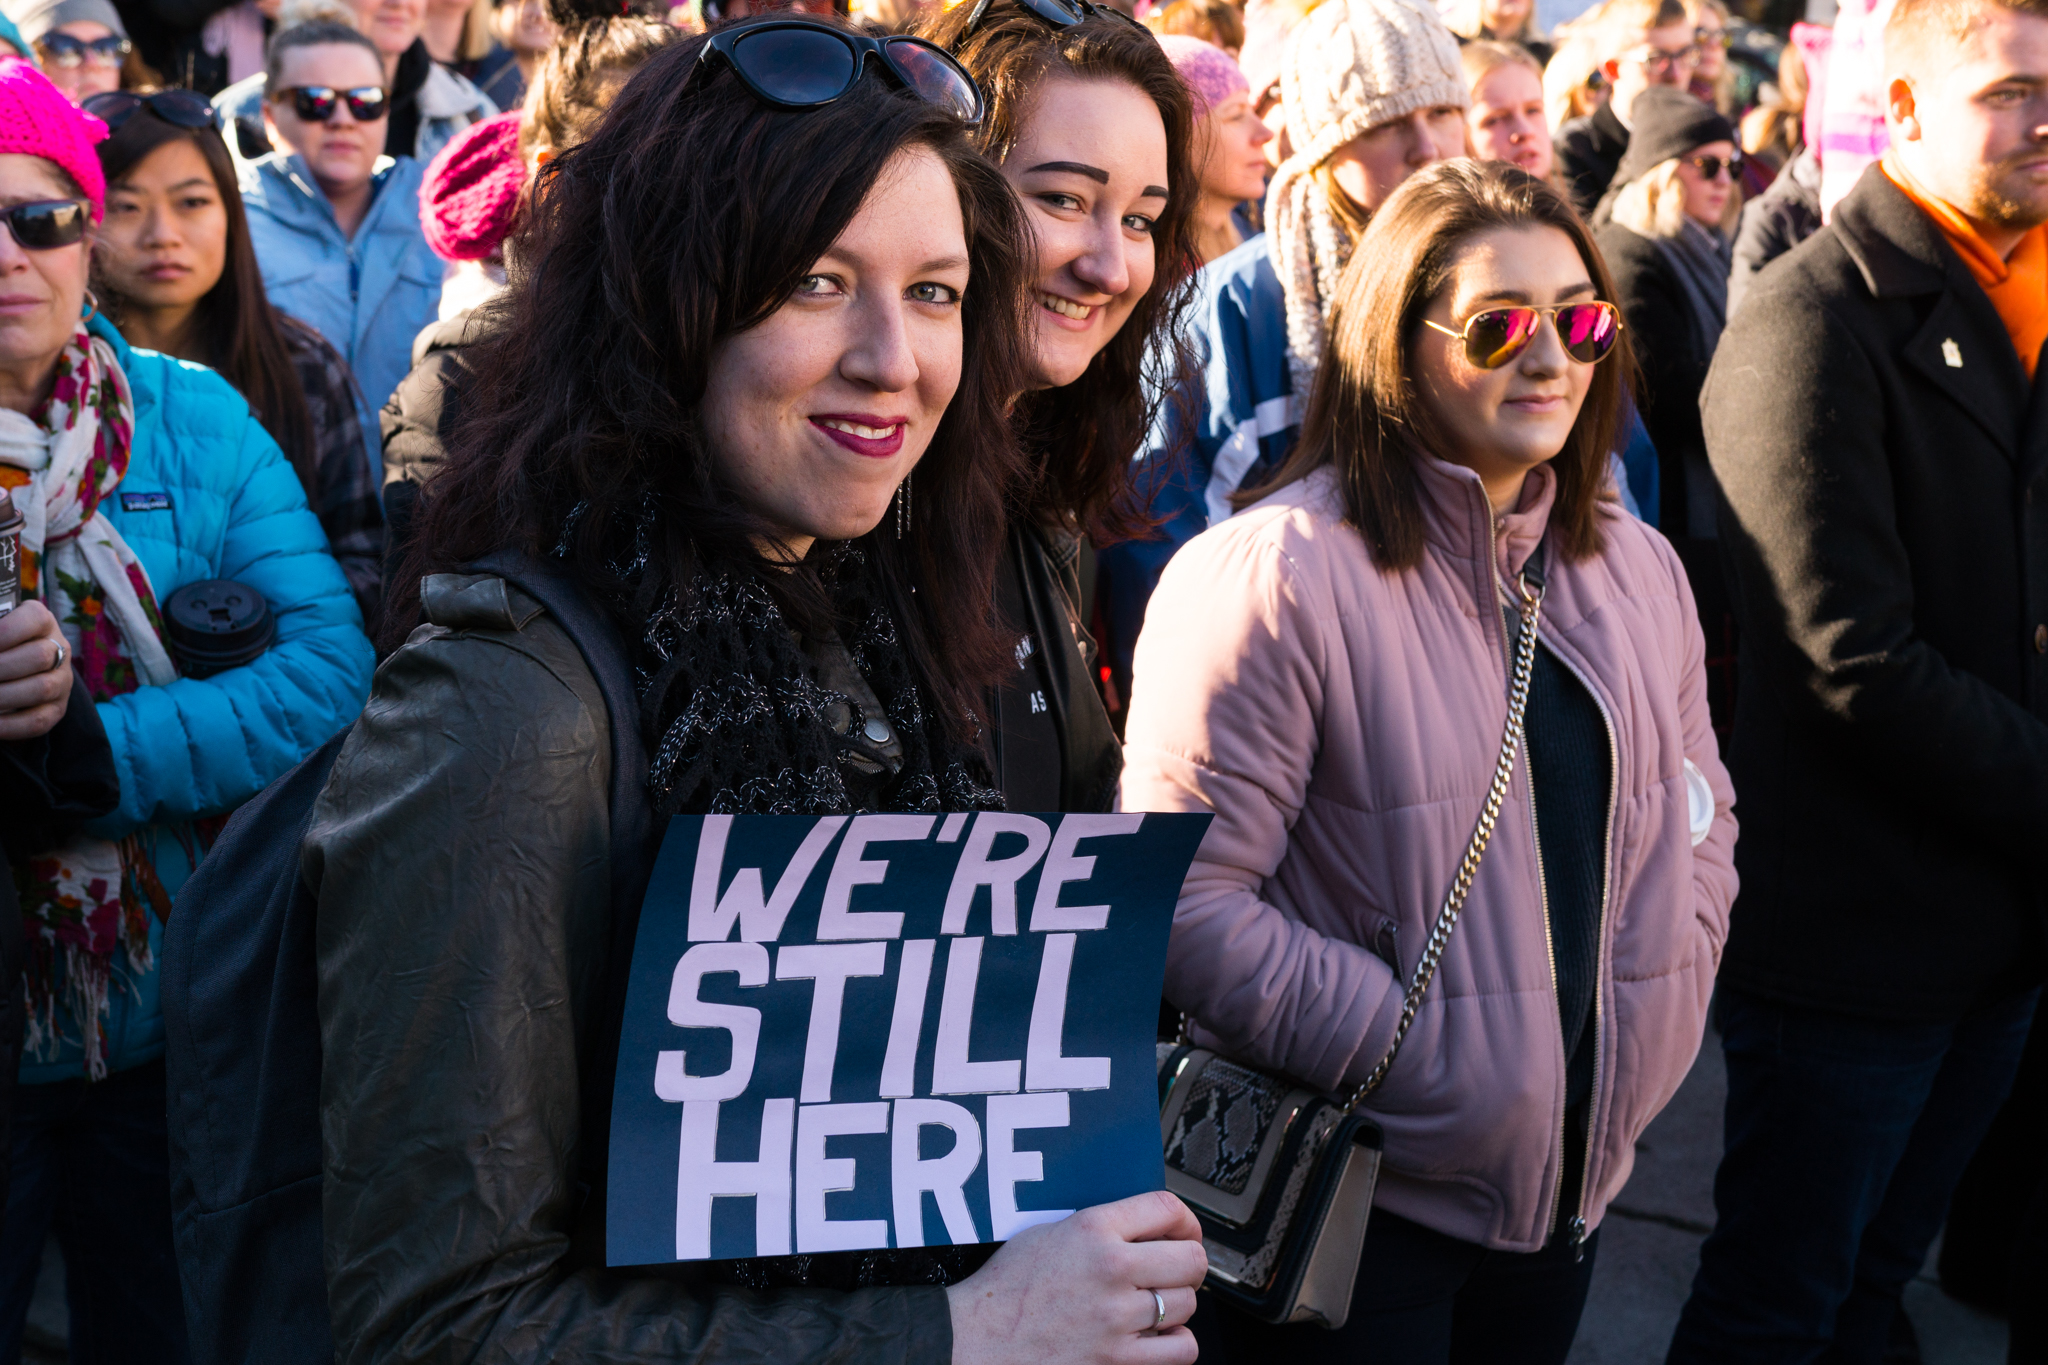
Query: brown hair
point(1213, 21)
point(693, 212)
point(1364, 416)
point(582, 73)
point(1083, 436)
point(1915, 23)
point(242, 334)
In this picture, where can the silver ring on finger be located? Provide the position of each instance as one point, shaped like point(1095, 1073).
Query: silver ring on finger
point(62, 655)
point(1158, 1302)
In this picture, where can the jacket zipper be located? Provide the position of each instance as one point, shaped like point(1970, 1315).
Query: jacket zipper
point(1578, 1223)
point(1549, 946)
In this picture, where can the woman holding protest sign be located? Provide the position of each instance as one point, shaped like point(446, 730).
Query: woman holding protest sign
point(1348, 674)
point(706, 428)
point(1091, 126)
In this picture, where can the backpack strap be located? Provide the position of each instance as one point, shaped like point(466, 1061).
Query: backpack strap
point(636, 840)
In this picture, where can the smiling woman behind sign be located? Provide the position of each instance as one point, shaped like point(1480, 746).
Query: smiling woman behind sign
point(737, 330)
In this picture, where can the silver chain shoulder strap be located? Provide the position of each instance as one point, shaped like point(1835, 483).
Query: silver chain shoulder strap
point(1461, 885)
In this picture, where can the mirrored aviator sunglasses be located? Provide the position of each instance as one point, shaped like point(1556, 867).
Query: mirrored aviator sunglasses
point(800, 64)
point(47, 224)
point(1496, 336)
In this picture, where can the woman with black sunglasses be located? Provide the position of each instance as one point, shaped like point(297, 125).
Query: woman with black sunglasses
point(774, 282)
point(1334, 673)
point(80, 45)
point(1091, 125)
point(176, 271)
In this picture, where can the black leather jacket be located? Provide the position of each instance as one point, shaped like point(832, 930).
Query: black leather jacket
point(460, 857)
point(1091, 759)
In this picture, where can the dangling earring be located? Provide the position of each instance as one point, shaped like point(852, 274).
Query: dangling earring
point(902, 505)
point(92, 308)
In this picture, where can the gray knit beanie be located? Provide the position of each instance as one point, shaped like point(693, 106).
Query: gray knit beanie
point(1349, 67)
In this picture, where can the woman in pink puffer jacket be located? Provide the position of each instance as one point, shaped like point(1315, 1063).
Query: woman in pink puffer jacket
point(1328, 672)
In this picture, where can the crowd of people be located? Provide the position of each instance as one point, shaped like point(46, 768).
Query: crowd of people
point(1301, 412)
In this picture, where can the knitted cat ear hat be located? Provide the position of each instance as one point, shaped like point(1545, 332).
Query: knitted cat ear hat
point(1350, 66)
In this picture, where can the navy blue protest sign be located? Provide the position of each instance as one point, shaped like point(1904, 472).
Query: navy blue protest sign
point(844, 1033)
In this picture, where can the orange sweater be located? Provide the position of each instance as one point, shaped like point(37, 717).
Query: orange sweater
point(2017, 285)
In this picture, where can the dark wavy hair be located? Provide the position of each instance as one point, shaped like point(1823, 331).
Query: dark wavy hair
point(1084, 436)
point(692, 213)
point(1364, 415)
point(242, 334)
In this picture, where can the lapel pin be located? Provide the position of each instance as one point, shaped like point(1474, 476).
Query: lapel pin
point(1952, 353)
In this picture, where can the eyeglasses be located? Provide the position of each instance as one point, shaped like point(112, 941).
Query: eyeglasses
point(1712, 37)
point(63, 50)
point(1712, 166)
point(180, 108)
point(1661, 59)
point(47, 224)
point(317, 103)
point(803, 64)
point(1057, 13)
point(1498, 335)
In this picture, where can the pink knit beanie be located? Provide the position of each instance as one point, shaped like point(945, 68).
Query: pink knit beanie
point(470, 197)
point(1208, 70)
point(37, 121)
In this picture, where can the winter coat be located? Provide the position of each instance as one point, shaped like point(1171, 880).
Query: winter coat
point(1589, 152)
point(461, 855)
point(1232, 430)
point(1344, 724)
point(231, 508)
point(1885, 467)
point(1658, 316)
point(370, 294)
point(1774, 222)
point(1055, 653)
point(345, 489)
point(417, 419)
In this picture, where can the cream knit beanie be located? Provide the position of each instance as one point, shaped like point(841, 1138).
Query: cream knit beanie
point(1350, 66)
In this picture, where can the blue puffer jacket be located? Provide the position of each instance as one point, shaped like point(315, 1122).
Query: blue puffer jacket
point(232, 508)
point(370, 294)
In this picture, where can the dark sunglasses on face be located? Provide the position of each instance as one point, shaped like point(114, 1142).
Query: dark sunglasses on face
point(180, 108)
point(1712, 166)
point(803, 64)
point(61, 49)
point(1498, 335)
point(317, 103)
point(1057, 13)
point(46, 224)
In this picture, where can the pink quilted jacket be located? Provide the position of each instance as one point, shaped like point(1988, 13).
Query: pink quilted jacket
point(1343, 725)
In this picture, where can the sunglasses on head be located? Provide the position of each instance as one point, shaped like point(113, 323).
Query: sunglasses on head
point(1498, 335)
point(46, 224)
point(1058, 14)
point(317, 103)
point(66, 51)
point(180, 108)
point(1712, 166)
point(803, 64)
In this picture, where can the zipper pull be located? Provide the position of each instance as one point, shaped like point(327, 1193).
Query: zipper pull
point(1577, 1228)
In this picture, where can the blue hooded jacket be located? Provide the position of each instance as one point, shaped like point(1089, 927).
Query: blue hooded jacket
point(209, 495)
point(1233, 431)
point(369, 295)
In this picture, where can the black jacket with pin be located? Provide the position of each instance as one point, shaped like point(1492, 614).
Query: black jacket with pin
point(1884, 464)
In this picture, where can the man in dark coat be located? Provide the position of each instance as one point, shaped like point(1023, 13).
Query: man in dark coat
point(1651, 43)
point(1883, 456)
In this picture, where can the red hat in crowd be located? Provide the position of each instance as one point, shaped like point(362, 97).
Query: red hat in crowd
point(37, 121)
point(470, 197)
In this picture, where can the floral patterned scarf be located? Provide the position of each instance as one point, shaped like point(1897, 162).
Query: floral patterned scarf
point(84, 900)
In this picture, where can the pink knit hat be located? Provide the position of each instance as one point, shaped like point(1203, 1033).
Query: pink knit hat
point(470, 197)
point(37, 121)
point(1208, 70)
